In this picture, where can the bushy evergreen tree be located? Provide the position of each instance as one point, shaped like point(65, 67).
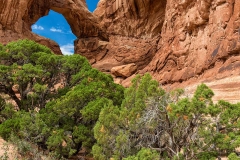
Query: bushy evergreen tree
point(173, 126)
point(63, 105)
point(60, 97)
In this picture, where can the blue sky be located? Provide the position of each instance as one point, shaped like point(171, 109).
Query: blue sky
point(54, 26)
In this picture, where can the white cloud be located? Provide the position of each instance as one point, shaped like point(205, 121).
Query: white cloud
point(36, 27)
point(55, 30)
point(67, 49)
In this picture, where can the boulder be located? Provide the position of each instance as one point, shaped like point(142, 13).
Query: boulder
point(124, 70)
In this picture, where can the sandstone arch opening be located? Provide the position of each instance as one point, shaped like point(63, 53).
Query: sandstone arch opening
point(92, 4)
point(55, 27)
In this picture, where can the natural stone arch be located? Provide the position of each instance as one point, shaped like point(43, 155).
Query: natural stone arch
point(17, 17)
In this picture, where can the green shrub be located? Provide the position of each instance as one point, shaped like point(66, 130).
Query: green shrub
point(177, 128)
point(233, 156)
point(144, 154)
point(58, 119)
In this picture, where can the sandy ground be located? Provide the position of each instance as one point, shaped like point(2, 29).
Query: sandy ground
point(224, 89)
point(7, 151)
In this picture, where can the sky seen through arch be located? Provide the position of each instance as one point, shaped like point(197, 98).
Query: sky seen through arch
point(55, 27)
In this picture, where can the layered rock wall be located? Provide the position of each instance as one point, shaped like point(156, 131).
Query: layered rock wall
point(189, 41)
point(180, 42)
point(133, 27)
point(132, 18)
point(198, 39)
point(191, 37)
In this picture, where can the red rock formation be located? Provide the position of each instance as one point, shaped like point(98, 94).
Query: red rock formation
point(180, 42)
point(194, 35)
point(188, 41)
point(200, 43)
point(134, 29)
point(197, 37)
point(124, 70)
point(132, 18)
point(17, 17)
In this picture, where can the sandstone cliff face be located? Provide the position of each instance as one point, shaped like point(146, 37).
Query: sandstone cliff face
point(198, 37)
point(180, 42)
point(200, 42)
point(191, 37)
point(17, 17)
point(132, 18)
point(134, 28)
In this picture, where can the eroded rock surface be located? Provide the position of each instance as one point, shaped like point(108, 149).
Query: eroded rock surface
point(132, 18)
point(133, 27)
point(180, 42)
point(189, 41)
point(124, 70)
point(199, 39)
point(17, 17)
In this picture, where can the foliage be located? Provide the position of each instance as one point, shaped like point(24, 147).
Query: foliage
point(233, 156)
point(63, 105)
point(113, 128)
point(61, 97)
point(144, 154)
point(6, 110)
point(35, 72)
point(225, 128)
point(174, 127)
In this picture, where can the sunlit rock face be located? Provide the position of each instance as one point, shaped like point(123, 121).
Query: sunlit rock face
point(180, 42)
point(198, 39)
point(134, 29)
point(17, 17)
point(188, 37)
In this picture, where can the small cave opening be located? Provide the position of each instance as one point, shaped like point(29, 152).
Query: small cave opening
point(55, 27)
